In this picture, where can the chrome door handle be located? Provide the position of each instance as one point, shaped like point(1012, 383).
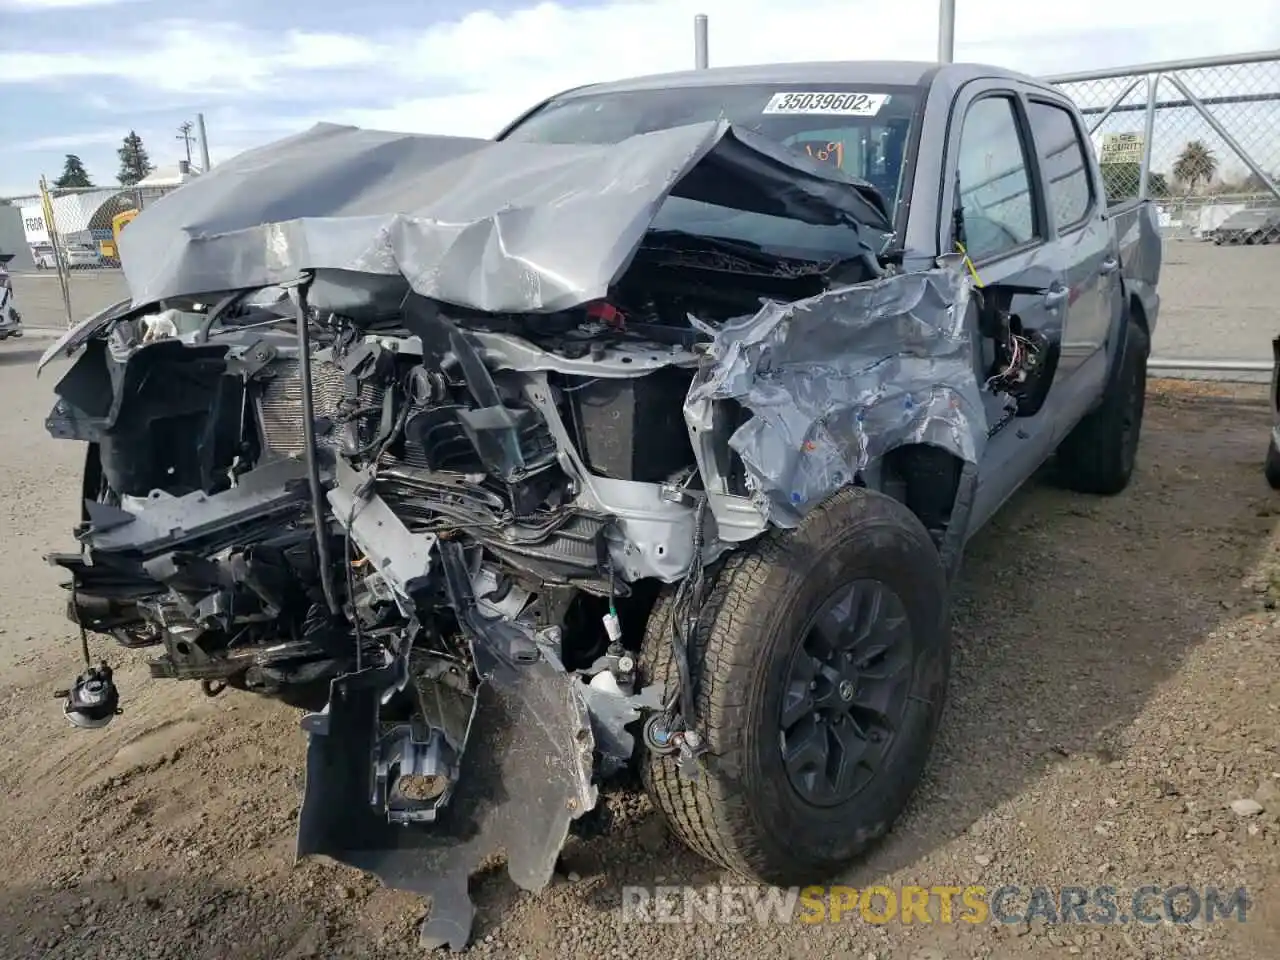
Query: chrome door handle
point(1054, 297)
point(1109, 265)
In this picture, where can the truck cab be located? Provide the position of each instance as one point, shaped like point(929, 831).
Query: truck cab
point(971, 158)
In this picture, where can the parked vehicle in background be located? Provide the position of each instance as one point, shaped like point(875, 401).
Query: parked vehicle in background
point(652, 434)
point(1271, 465)
point(1248, 227)
point(44, 256)
point(77, 256)
point(82, 256)
point(10, 319)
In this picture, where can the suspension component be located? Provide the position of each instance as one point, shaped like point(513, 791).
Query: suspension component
point(93, 700)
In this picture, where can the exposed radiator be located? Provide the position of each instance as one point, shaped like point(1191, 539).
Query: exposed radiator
point(280, 406)
point(433, 437)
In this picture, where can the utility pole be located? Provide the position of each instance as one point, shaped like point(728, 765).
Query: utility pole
point(184, 134)
point(205, 163)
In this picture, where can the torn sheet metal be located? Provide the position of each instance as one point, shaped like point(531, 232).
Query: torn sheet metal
point(838, 380)
point(504, 226)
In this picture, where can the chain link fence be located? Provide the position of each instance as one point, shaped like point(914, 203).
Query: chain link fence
point(83, 224)
point(1201, 139)
point(69, 232)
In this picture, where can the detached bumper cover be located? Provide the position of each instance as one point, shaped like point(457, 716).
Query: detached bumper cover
point(526, 774)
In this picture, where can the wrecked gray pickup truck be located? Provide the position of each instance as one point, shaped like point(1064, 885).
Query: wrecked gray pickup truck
point(647, 435)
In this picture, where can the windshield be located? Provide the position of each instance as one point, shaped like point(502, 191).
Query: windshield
point(863, 131)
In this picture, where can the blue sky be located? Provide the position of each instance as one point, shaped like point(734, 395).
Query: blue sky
point(76, 75)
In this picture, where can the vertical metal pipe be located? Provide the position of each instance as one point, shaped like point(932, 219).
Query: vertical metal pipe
point(700, 52)
point(59, 254)
point(303, 316)
point(204, 144)
point(1149, 132)
point(946, 31)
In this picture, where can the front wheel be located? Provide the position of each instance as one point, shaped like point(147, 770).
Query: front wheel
point(820, 665)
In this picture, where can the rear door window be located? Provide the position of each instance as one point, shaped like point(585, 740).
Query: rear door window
point(1064, 162)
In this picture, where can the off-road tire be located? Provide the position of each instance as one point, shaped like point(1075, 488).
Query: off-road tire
point(1272, 465)
point(1098, 455)
point(743, 813)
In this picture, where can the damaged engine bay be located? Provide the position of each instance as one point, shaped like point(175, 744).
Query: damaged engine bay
point(437, 521)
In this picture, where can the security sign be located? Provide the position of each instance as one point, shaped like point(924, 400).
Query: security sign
point(1121, 148)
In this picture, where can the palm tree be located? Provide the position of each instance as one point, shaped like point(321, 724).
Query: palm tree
point(1195, 164)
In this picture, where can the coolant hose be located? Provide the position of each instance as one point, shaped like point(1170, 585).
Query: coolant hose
point(309, 447)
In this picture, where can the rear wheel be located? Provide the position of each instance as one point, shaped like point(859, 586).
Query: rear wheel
point(1098, 456)
point(820, 662)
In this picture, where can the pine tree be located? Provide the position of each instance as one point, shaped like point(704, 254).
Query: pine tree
point(73, 173)
point(134, 162)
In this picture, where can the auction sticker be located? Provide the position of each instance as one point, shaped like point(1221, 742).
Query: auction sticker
point(830, 104)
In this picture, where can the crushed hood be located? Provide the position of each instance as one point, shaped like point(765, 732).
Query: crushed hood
point(497, 226)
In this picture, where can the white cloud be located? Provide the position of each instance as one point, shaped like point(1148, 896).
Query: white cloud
point(71, 142)
point(189, 57)
point(511, 57)
point(39, 5)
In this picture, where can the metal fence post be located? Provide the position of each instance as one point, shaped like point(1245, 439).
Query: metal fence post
point(1144, 174)
point(55, 241)
point(946, 31)
point(700, 46)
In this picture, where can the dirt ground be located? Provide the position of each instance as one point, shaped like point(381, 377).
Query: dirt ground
point(1115, 690)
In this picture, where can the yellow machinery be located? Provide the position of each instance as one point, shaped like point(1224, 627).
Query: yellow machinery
point(111, 248)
